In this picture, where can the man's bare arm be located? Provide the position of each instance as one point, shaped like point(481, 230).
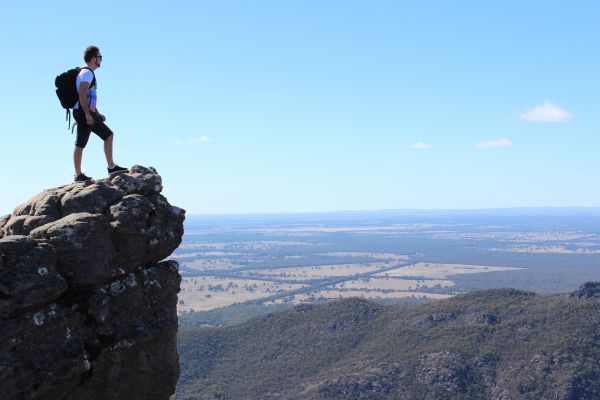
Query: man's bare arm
point(84, 87)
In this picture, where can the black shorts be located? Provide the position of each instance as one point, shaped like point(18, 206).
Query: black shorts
point(84, 130)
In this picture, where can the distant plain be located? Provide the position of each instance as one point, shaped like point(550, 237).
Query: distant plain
point(391, 256)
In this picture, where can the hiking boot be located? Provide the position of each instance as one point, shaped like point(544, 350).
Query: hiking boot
point(116, 170)
point(82, 178)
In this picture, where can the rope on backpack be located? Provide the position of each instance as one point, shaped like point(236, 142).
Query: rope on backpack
point(68, 118)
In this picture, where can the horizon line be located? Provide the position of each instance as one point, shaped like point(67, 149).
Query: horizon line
point(411, 210)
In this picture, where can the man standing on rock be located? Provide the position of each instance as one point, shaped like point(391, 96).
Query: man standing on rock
point(88, 117)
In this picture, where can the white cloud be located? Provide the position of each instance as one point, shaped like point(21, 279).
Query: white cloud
point(494, 143)
point(200, 139)
point(420, 146)
point(547, 112)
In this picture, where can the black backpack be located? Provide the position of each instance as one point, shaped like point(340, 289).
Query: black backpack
point(66, 89)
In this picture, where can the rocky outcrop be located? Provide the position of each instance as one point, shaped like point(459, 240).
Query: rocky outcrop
point(376, 383)
point(87, 304)
point(589, 290)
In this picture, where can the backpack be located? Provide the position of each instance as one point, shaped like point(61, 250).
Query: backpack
point(66, 89)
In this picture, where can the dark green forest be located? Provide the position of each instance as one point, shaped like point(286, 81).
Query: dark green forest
point(472, 346)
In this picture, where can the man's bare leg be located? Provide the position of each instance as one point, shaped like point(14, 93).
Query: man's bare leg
point(77, 156)
point(108, 150)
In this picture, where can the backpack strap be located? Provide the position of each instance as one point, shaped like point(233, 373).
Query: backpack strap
point(93, 74)
point(68, 116)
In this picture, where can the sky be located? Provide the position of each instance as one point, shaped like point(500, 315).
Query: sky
point(309, 106)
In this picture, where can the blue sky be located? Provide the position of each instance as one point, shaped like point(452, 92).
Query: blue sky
point(291, 106)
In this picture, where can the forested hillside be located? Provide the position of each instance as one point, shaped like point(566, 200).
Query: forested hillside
point(497, 344)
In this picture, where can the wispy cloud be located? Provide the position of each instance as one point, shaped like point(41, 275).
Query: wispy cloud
point(494, 143)
point(201, 139)
point(547, 112)
point(420, 146)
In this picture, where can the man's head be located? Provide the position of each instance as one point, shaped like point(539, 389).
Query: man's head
point(92, 57)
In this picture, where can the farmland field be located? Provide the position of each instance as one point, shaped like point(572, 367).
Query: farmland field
point(384, 256)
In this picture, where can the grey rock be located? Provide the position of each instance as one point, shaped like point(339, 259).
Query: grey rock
point(92, 198)
point(140, 180)
point(84, 247)
point(489, 318)
point(45, 203)
point(135, 336)
point(381, 382)
point(28, 276)
point(589, 290)
point(302, 308)
point(146, 229)
point(443, 368)
point(40, 210)
point(3, 221)
point(43, 353)
point(87, 306)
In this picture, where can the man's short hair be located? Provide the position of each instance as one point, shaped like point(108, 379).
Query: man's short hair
point(90, 52)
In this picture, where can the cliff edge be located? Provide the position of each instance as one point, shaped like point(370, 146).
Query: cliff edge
point(87, 306)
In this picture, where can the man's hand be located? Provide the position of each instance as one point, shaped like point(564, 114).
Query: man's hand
point(89, 119)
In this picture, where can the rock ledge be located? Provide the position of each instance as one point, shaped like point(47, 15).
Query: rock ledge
point(87, 304)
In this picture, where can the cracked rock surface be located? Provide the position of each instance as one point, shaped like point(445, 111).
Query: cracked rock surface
point(87, 302)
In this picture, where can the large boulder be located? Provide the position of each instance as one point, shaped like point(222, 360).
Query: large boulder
point(83, 244)
point(28, 275)
point(87, 304)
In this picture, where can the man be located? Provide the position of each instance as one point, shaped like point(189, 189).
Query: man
point(88, 117)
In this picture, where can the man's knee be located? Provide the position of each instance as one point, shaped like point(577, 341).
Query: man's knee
point(80, 143)
point(83, 135)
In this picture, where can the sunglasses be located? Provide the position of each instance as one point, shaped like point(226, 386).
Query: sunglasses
point(100, 57)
